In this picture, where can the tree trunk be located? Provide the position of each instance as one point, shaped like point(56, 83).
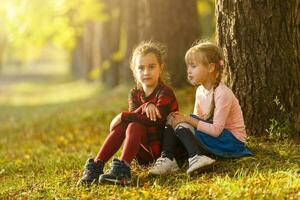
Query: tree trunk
point(77, 66)
point(96, 55)
point(3, 48)
point(174, 23)
point(130, 24)
point(87, 50)
point(110, 40)
point(261, 42)
point(77, 69)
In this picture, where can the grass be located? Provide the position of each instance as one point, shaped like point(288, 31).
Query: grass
point(49, 128)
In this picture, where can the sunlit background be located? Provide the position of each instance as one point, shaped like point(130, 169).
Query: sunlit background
point(36, 32)
point(67, 48)
point(39, 36)
point(57, 55)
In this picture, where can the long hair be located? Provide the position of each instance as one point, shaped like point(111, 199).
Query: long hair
point(207, 53)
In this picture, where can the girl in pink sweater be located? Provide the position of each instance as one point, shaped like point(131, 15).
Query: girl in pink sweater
point(216, 127)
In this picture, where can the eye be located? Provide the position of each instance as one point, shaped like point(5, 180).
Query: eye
point(191, 66)
point(140, 68)
point(152, 66)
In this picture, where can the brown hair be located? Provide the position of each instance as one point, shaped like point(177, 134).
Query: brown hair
point(207, 53)
point(145, 48)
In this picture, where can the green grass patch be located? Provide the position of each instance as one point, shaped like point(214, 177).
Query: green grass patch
point(49, 129)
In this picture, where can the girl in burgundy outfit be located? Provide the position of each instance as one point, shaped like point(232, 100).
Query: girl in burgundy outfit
point(141, 127)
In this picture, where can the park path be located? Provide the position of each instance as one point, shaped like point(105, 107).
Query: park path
point(9, 80)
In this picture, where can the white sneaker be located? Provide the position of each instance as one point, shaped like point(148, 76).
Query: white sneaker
point(164, 166)
point(199, 163)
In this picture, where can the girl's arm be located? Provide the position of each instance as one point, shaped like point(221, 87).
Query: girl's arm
point(192, 121)
point(152, 112)
point(133, 106)
point(223, 103)
point(165, 104)
point(176, 118)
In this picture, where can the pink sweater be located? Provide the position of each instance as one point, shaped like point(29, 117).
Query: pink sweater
point(227, 114)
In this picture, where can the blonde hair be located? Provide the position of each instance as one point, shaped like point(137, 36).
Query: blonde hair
point(145, 48)
point(207, 53)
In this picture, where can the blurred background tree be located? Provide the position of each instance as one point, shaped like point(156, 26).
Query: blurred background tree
point(35, 26)
point(95, 38)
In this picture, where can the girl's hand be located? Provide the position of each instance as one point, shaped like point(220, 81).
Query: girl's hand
point(170, 118)
point(177, 118)
point(152, 112)
point(116, 121)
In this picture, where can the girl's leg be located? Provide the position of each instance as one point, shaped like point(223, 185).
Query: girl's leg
point(120, 171)
point(197, 159)
point(112, 143)
point(171, 146)
point(144, 155)
point(190, 142)
point(170, 141)
point(94, 167)
point(136, 138)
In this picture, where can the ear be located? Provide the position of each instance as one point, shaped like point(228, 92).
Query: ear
point(211, 67)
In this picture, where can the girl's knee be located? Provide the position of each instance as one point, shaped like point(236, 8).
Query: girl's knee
point(120, 127)
point(184, 125)
point(136, 129)
point(136, 125)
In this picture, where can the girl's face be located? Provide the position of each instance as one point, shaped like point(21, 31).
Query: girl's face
point(147, 70)
point(197, 72)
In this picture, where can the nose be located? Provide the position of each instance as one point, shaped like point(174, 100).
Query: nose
point(188, 70)
point(146, 71)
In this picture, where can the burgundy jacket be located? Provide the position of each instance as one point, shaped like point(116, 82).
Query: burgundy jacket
point(164, 99)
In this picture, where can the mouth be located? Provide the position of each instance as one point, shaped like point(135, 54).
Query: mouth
point(190, 80)
point(147, 79)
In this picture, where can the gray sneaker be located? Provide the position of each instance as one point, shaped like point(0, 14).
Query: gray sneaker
point(199, 163)
point(164, 166)
point(119, 173)
point(91, 173)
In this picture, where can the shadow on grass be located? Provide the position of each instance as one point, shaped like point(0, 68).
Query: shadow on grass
point(268, 158)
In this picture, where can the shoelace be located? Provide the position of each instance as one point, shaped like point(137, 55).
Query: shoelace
point(116, 167)
point(194, 160)
point(160, 161)
point(91, 168)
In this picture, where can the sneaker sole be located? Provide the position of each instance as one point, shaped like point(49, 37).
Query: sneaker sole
point(154, 174)
point(205, 168)
point(114, 182)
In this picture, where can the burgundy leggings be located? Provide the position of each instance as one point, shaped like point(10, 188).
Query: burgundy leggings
point(134, 136)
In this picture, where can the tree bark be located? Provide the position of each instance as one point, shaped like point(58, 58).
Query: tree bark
point(174, 23)
point(130, 25)
point(261, 42)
